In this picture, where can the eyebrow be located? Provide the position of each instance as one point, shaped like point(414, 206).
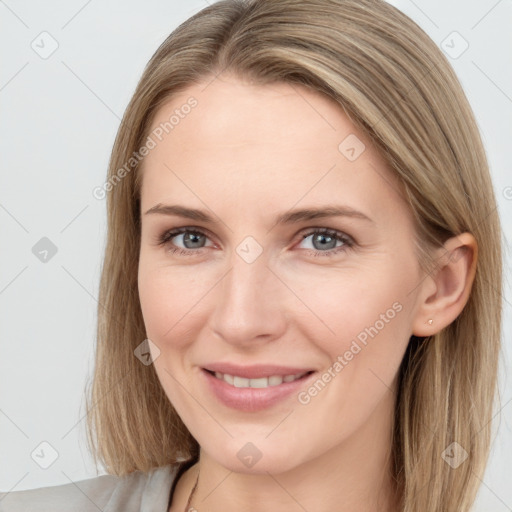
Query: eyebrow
point(289, 217)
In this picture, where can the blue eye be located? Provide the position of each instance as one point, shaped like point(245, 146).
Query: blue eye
point(325, 238)
point(193, 238)
point(324, 241)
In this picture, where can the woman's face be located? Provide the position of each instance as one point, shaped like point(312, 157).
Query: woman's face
point(263, 271)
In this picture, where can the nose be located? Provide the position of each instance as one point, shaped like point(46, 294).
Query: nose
point(250, 303)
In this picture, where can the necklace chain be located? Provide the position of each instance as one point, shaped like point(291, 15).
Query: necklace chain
point(192, 494)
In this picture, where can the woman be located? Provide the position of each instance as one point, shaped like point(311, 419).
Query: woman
point(299, 302)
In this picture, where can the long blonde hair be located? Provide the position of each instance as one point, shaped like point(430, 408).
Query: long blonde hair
point(396, 86)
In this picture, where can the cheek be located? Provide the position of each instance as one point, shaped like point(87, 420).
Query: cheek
point(169, 299)
point(156, 303)
point(363, 356)
point(361, 318)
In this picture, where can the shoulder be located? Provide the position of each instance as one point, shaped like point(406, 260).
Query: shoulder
point(89, 494)
point(136, 491)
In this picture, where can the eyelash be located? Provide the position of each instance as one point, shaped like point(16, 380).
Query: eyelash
point(348, 242)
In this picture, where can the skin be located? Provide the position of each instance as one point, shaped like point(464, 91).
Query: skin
point(246, 154)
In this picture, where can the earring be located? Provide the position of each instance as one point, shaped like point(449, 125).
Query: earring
point(430, 321)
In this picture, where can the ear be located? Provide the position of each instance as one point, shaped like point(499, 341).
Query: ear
point(445, 291)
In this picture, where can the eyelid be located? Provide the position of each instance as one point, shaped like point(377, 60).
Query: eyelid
point(341, 234)
point(304, 233)
point(167, 234)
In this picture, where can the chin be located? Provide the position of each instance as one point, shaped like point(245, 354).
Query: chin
point(253, 460)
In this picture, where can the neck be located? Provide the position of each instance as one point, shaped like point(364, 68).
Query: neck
point(354, 476)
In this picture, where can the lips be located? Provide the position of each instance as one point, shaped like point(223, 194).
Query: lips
point(257, 371)
point(261, 382)
point(252, 388)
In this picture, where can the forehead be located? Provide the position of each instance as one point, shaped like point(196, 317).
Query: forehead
point(271, 145)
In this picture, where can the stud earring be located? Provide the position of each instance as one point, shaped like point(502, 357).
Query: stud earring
point(430, 321)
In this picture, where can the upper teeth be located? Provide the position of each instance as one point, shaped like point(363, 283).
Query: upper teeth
point(263, 382)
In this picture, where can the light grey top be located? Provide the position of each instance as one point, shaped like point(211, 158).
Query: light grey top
point(136, 492)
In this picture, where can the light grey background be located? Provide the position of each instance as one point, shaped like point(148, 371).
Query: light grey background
point(60, 115)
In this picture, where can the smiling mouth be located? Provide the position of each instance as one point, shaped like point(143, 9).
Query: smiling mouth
point(262, 382)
